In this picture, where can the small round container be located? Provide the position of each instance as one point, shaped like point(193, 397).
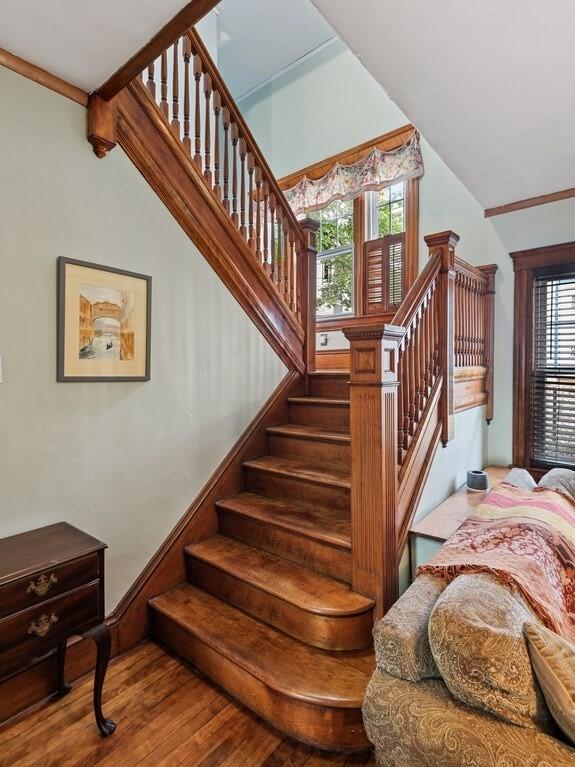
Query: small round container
point(477, 480)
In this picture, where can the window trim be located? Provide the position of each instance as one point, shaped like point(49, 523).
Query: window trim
point(527, 265)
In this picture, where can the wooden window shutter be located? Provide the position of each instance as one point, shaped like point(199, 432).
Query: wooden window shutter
point(384, 272)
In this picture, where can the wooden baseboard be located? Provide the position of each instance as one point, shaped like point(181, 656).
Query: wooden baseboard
point(129, 623)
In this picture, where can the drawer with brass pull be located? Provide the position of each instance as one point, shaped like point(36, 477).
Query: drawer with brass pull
point(37, 629)
point(38, 587)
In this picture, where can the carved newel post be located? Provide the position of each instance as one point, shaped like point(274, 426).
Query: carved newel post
point(373, 401)
point(307, 287)
point(444, 243)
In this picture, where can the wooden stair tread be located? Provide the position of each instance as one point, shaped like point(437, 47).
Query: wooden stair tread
point(323, 401)
point(329, 525)
point(284, 467)
point(283, 664)
point(288, 581)
point(317, 433)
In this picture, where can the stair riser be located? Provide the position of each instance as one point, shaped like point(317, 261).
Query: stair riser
point(326, 632)
point(275, 486)
point(324, 727)
point(318, 555)
point(328, 416)
point(324, 386)
point(326, 454)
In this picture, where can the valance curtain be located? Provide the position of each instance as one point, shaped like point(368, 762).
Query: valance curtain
point(344, 182)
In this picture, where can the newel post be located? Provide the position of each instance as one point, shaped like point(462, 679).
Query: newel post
point(489, 271)
point(373, 402)
point(101, 125)
point(444, 243)
point(307, 289)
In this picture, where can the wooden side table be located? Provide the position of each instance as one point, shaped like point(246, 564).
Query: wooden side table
point(445, 519)
point(52, 588)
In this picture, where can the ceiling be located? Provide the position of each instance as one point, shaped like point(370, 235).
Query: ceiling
point(490, 84)
point(258, 39)
point(82, 42)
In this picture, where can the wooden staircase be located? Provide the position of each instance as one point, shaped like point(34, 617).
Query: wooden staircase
point(268, 611)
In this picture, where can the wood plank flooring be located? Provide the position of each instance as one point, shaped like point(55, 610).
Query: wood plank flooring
point(167, 715)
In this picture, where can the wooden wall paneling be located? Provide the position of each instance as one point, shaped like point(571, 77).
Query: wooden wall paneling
point(373, 414)
point(161, 158)
point(189, 15)
point(360, 231)
point(42, 77)
point(470, 388)
point(129, 622)
point(334, 359)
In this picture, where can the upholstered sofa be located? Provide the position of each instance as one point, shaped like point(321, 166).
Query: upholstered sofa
point(412, 718)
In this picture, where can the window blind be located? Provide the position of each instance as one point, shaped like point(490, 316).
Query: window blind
point(553, 384)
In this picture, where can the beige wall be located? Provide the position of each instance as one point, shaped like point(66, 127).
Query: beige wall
point(123, 461)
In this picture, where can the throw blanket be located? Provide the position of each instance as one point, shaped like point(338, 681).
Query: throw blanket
point(525, 538)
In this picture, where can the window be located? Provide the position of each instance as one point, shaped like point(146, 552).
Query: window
point(387, 211)
point(544, 358)
point(335, 246)
point(553, 382)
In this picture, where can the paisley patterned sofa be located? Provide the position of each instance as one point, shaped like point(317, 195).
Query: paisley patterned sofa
point(412, 718)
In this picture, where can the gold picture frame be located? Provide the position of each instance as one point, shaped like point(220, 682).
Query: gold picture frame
point(104, 319)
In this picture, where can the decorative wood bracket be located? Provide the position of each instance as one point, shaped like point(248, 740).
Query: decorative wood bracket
point(102, 118)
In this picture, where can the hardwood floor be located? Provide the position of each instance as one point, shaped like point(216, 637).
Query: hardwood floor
point(167, 715)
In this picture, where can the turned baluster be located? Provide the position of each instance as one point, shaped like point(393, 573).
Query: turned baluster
point(258, 175)
point(151, 84)
point(406, 377)
point(187, 56)
point(243, 152)
point(198, 112)
point(425, 344)
point(458, 305)
point(164, 86)
point(207, 132)
point(266, 229)
point(416, 370)
point(287, 262)
point(411, 364)
point(273, 256)
point(251, 202)
point(401, 387)
point(281, 255)
point(235, 139)
point(293, 270)
point(217, 111)
point(226, 124)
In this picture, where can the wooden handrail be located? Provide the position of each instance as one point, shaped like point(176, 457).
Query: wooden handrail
point(412, 302)
point(194, 102)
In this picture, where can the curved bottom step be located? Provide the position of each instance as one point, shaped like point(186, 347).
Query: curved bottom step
point(311, 695)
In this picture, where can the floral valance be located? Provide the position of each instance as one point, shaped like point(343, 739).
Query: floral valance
point(344, 182)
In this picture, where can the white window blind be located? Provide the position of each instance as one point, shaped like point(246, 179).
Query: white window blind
point(553, 385)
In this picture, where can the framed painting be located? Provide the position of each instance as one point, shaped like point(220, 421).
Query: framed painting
point(103, 323)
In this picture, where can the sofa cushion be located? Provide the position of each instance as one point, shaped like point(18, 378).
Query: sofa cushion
point(476, 637)
point(520, 478)
point(401, 638)
point(562, 480)
point(421, 725)
point(553, 660)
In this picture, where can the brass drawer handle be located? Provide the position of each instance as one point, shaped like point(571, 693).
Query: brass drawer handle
point(43, 626)
point(42, 585)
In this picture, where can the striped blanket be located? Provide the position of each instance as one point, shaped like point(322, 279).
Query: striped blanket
point(526, 538)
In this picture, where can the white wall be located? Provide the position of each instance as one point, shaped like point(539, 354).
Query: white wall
point(330, 103)
point(122, 461)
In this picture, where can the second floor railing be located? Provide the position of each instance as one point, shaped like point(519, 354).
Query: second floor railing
point(203, 116)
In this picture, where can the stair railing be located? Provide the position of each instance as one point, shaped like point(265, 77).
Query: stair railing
point(401, 395)
point(195, 102)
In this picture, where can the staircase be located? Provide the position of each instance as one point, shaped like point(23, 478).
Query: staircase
point(268, 612)
point(290, 553)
